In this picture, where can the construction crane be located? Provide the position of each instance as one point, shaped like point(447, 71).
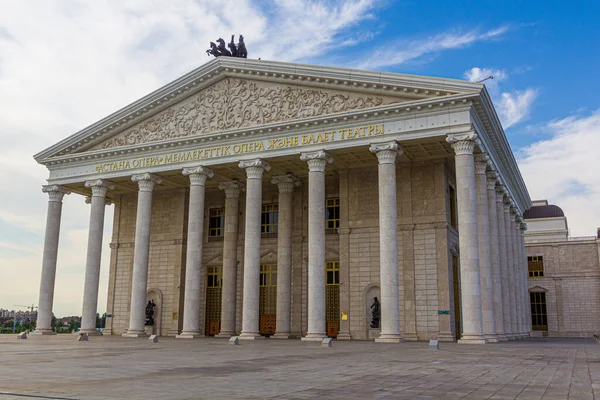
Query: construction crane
point(29, 308)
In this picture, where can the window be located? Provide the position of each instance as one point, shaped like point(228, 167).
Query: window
point(270, 217)
point(332, 270)
point(214, 277)
point(452, 196)
point(539, 316)
point(535, 265)
point(332, 213)
point(268, 275)
point(216, 222)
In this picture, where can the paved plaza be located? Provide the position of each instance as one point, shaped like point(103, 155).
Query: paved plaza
point(59, 367)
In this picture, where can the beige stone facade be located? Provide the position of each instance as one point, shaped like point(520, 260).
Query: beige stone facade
point(569, 278)
point(389, 160)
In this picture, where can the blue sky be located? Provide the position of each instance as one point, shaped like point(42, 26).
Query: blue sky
point(65, 64)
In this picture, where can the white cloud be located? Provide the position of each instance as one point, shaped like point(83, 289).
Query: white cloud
point(65, 65)
point(514, 107)
point(400, 52)
point(563, 170)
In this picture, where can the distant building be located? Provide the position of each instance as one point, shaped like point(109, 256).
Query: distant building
point(564, 275)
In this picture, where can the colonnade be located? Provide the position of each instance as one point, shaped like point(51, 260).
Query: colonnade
point(493, 274)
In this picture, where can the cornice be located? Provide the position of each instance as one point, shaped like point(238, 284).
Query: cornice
point(397, 111)
point(331, 77)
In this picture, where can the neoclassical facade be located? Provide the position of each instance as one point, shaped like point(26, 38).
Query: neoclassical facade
point(268, 199)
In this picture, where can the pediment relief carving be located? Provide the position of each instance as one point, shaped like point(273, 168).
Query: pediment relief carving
point(235, 103)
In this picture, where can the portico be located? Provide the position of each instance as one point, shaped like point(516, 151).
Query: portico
point(288, 217)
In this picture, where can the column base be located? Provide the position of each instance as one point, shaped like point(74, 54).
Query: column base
point(225, 335)
point(43, 332)
point(135, 334)
point(314, 337)
point(388, 338)
point(502, 337)
point(410, 337)
point(492, 338)
point(90, 332)
point(445, 337)
point(250, 336)
point(472, 339)
point(344, 336)
point(189, 335)
point(509, 336)
point(281, 336)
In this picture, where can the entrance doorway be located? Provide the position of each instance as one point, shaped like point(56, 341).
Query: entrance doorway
point(539, 316)
point(268, 299)
point(214, 283)
point(456, 285)
point(332, 297)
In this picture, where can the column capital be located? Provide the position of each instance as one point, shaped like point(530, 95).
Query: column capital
point(99, 187)
point(146, 181)
point(232, 189)
point(107, 202)
point(55, 192)
point(386, 152)
point(523, 226)
point(286, 183)
point(317, 160)
point(198, 175)
point(492, 179)
point(255, 168)
point(463, 143)
point(481, 163)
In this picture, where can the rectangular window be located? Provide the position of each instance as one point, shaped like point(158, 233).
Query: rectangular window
point(332, 213)
point(214, 277)
point(535, 265)
point(270, 217)
point(268, 275)
point(539, 316)
point(452, 196)
point(216, 222)
point(332, 270)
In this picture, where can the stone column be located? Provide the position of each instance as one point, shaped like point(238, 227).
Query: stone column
point(230, 244)
point(485, 261)
point(388, 241)
point(316, 243)
point(94, 254)
point(286, 184)
point(250, 308)
point(44, 317)
point(492, 178)
point(526, 301)
point(517, 280)
point(510, 267)
point(463, 146)
point(506, 310)
point(141, 250)
point(518, 273)
point(193, 261)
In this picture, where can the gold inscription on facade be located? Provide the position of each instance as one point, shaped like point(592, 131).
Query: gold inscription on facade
point(245, 148)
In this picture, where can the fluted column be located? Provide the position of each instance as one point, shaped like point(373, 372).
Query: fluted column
point(518, 273)
point(463, 146)
point(94, 254)
point(316, 243)
point(526, 301)
point(515, 266)
point(250, 309)
point(139, 285)
point(192, 326)
point(510, 267)
point(492, 178)
point(506, 310)
point(44, 316)
point(285, 184)
point(230, 244)
point(388, 241)
point(485, 261)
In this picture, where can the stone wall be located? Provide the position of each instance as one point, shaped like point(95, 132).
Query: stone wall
point(572, 285)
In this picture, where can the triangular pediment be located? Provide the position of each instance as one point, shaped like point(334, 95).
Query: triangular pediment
point(234, 103)
point(228, 94)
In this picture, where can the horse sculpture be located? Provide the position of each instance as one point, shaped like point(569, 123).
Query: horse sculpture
point(221, 50)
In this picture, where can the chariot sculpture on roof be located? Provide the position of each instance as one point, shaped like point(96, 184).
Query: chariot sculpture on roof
point(220, 50)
